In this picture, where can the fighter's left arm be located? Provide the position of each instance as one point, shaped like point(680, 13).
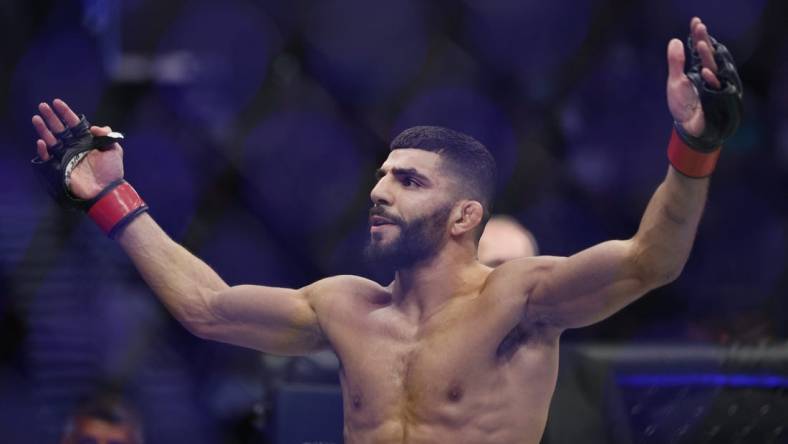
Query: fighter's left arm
point(595, 283)
point(585, 288)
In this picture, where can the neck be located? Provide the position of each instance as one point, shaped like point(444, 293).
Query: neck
point(421, 290)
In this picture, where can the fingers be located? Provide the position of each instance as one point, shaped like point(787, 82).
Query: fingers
point(709, 70)
point(41, 147)
point(65, 113)
point(705, 49)
point(707, 56)
point(52, 121)
point(700, 33)
point(710, 78)
point(675, 59)
point(43, 131)
point(702, 40)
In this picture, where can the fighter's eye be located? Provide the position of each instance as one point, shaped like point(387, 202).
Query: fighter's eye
point(408, 182)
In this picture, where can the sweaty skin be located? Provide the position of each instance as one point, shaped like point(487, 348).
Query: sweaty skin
point(472, 372)
point(451, 350)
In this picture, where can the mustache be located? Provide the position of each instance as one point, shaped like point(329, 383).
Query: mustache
point(378, 210)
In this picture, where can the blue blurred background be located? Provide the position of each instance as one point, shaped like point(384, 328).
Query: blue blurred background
point(253, 129)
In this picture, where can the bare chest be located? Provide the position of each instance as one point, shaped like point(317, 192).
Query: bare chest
point(448, 374)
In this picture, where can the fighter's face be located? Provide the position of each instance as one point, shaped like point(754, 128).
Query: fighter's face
point(411, 206)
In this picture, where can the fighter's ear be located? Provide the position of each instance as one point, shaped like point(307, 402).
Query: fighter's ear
point(466, 216)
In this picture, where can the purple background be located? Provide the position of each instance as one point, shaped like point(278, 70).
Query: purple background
point(253, 129)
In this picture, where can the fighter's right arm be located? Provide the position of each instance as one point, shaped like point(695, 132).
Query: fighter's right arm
point(274, 320)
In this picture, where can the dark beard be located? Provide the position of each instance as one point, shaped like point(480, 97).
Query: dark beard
point(417, 242)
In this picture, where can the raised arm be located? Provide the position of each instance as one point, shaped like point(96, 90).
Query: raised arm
point(275, 320)
point(593, 284)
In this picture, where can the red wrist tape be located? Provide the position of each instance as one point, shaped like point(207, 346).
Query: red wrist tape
point(690, 162)
point(116, 208)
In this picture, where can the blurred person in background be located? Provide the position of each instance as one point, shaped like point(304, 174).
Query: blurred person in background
point(505, 239)
point(103, 420)
point(451, 350)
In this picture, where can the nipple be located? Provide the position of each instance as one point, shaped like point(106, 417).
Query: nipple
point(455, 393)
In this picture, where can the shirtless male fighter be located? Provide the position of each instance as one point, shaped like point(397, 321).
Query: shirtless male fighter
point(451, 351)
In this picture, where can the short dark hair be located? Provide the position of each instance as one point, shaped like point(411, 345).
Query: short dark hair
point(465, 157)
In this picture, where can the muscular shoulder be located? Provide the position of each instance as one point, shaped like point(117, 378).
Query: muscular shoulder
point(512, 284)
point(343, 290)
point(521, 274)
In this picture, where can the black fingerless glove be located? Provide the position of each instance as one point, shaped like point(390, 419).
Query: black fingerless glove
point(696, 156)
point(115, 206)
point(722, 108)
point(72, 145)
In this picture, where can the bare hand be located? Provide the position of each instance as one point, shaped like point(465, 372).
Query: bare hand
point(683, 99)
point(97, 170)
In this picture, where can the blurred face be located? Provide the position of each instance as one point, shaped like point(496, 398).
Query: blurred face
point(96, 431)
point(504, 240)
point(412, 202)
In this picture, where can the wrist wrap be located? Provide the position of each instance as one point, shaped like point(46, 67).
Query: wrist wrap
point(115, 207)
point(689, 161)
